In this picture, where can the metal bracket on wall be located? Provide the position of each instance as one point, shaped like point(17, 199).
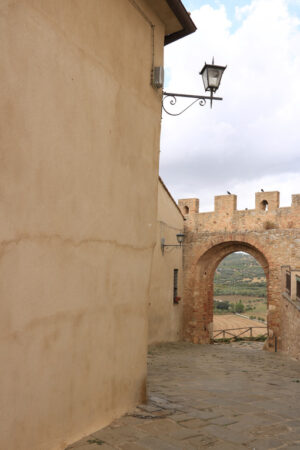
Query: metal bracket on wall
point(171, 98)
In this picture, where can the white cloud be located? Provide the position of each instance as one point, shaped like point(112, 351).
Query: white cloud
point(252, 138)
point(241, 12)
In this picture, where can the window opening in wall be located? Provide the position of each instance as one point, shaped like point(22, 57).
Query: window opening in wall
point(298, 288)
point(175, 286)
point(186, 210)
point(288, 283)
point(264, 205)
point(240, 297)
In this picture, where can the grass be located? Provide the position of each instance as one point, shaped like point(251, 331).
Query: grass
point(258, 305)
point(240, 274)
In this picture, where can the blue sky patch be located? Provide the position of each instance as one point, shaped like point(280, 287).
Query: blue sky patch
point(230, 6)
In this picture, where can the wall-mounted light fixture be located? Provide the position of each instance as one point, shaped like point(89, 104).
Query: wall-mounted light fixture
point(180, 239)
point(211, 75)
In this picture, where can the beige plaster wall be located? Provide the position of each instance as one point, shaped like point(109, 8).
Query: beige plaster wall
point(290, 315)
point(80, 128)
point(165, 317)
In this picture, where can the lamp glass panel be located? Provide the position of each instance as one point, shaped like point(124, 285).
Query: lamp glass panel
point(180, 238)
point(214, 77)
point(205, 78)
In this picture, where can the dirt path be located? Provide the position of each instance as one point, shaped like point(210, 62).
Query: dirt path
point(220, 397)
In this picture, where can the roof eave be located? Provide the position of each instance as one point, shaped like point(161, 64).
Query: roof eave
point(188, 26)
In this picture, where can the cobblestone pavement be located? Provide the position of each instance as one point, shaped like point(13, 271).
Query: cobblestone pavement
point(223, 397)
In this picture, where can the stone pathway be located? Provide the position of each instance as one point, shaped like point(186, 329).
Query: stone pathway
point(221, 397)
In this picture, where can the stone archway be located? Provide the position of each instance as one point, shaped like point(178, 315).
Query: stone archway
point(198, 312)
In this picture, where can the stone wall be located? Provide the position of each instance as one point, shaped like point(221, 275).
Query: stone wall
point(165, 316)
point(226, 217)
point(271, 235)
point(290, 326)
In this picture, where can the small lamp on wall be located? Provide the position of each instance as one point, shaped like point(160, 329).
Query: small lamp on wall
point(211, 76)
point(180, 238)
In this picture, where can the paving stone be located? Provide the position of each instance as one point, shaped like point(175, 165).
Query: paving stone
point(272, 430)
point(228, 435)
point(205, 414)
point(166, 428)
point(248, 422)
point(150, 407)
point(293, 423)
point(227, 446)
point(132, 446)
point(96, 447)
point(181, 417)
point(80, 443)
point(224, 420)
point(222, 397)
point(119, 435)
point(267, 444)
point(292, 447)
point(153, 443)
point(194, 423)
point(291, 436)
point(198, 442)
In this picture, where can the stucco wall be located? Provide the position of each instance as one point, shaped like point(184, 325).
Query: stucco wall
point(80, 128)
point(290, 327)
point(165, 317)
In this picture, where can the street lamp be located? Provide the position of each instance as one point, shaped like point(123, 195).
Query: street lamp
point(211, 75)
point(180, 239)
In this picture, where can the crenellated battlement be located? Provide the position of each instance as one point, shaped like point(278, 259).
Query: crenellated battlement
point(225, 217)
point(269, 233)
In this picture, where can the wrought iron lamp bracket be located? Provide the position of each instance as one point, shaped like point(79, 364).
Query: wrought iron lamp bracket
point(171, 98)
point(163, 245)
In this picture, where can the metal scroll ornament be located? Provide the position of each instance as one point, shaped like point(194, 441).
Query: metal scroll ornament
point(170, 100)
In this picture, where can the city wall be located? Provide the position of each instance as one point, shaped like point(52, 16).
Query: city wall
point(269, 233)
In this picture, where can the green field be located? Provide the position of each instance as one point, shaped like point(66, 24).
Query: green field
point(239, 279)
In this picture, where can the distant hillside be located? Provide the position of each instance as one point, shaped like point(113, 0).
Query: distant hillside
point(240, 274)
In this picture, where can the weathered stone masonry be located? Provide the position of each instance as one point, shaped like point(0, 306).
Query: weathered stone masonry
point(269, 233)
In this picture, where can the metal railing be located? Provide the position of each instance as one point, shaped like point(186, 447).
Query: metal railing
point(227, 333)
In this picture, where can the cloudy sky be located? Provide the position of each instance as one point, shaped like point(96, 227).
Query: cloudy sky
point(250, 140)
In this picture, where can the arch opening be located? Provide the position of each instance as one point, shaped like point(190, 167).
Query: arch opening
point(199, 300)
point(186, 210)
point(240, 297)
point(264, 205)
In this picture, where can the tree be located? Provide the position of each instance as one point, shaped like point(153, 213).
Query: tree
point(239, 307)
point(222, 305)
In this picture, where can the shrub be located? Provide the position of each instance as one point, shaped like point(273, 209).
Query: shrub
point(239, 307)
point(222, 305)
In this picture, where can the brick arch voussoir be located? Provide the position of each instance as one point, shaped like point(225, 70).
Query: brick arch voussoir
point(252, 245)
point(202, 265)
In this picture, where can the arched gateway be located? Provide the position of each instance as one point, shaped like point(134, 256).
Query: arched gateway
point(271, 236)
